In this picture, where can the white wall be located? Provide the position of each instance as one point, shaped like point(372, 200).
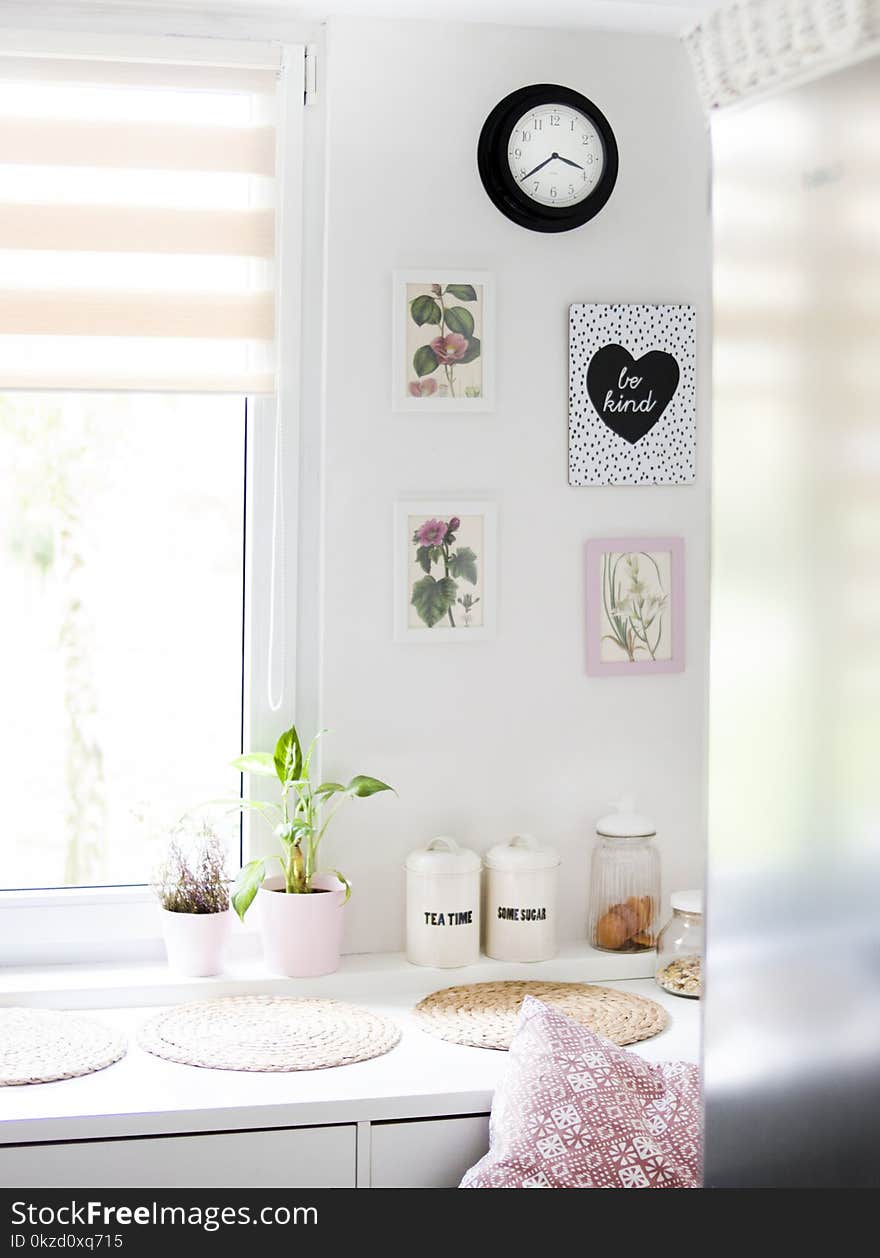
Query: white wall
point(487, 739)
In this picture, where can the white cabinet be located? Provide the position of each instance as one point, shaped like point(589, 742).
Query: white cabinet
point(430, 1153)
point(419, 1153)
point(298, 1157)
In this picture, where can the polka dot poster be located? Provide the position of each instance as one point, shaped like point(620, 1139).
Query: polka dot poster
point(632, 395)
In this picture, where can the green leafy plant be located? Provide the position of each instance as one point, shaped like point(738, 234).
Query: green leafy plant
point(298, 821)
point(434, 597)
point(454, 344)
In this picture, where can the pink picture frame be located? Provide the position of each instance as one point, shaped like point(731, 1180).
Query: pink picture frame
point(635, 595)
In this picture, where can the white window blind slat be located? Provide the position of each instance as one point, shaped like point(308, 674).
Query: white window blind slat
point(184, 189)
point(149, 365)
point(57, 142)
point(121, 229)
point(128, 74)
point(147, 272)
point(239, 316)
point(107, 167)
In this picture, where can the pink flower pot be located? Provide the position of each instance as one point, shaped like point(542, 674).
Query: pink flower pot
point(302, 934)
point(196, 942)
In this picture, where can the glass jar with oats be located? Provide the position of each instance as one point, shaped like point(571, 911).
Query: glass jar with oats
point(624, 883)
point(680, 946)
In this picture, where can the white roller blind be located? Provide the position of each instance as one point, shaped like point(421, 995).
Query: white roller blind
point(137, 224)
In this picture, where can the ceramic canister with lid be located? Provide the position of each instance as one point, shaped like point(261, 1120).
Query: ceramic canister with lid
point(521, 893)
point(443, 905)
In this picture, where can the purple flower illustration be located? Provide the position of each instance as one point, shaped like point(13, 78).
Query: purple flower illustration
point(432, 533)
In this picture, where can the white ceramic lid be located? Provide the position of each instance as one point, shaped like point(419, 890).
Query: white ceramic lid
point(687, 901)
point(523, 854)
point(443, 856)
point(625, 823)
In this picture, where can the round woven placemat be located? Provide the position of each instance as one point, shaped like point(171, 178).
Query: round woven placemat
point(43, 1045)
point(484, 1015)
point(268, 1033)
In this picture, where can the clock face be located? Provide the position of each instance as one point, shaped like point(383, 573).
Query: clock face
point(556, 155)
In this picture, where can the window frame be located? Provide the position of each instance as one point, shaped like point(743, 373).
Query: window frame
point(120, 923)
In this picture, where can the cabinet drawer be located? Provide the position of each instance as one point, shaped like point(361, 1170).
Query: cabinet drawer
point(291, 1157)
point(433, 1153)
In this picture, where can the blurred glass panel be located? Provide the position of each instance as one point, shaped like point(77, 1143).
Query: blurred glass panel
point(792, 1010)
point(121, 549)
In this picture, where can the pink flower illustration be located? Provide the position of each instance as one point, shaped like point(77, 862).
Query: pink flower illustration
point(431, 533)
point(454, 523)
point(450, 348)
point(422, 388)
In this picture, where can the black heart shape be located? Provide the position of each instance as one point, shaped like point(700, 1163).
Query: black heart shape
point(629, 395)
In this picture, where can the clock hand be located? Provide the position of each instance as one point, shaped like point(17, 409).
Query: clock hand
point(537, 168)
point(576, 165)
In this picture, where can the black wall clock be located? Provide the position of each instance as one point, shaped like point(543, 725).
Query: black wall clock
point(547, 158)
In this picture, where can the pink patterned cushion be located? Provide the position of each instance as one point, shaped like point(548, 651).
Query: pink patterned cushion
point(574, 1111)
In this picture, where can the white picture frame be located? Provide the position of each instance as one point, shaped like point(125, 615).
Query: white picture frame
point(407, 336)
point(478, 532)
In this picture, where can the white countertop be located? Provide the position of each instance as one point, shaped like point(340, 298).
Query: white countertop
point(423, 1076)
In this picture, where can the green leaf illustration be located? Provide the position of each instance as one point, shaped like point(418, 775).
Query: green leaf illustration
point(424, 360)
point(424, 310)
point(460, 320)
point(432, 599)
point(464, 564)
point(464, 292)
point(472, 351)
point(423, 556)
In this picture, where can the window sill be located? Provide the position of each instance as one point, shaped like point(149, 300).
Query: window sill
point(96, 928)
point(361, 976)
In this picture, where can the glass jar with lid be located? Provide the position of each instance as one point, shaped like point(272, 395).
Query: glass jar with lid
point(624, 883)
point(680, 946)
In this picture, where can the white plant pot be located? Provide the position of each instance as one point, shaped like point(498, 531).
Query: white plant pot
point(302, 934)
point(196, 942)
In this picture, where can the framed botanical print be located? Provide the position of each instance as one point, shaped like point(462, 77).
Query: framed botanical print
point(635, 606)
point(443, 341)
point(445, 570)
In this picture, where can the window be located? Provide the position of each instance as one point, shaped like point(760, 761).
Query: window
point(140, 209)
point(121, 566)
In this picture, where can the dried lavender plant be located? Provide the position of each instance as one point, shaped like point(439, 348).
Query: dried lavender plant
point(193, 877)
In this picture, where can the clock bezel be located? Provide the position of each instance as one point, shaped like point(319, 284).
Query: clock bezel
point(494, 168)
